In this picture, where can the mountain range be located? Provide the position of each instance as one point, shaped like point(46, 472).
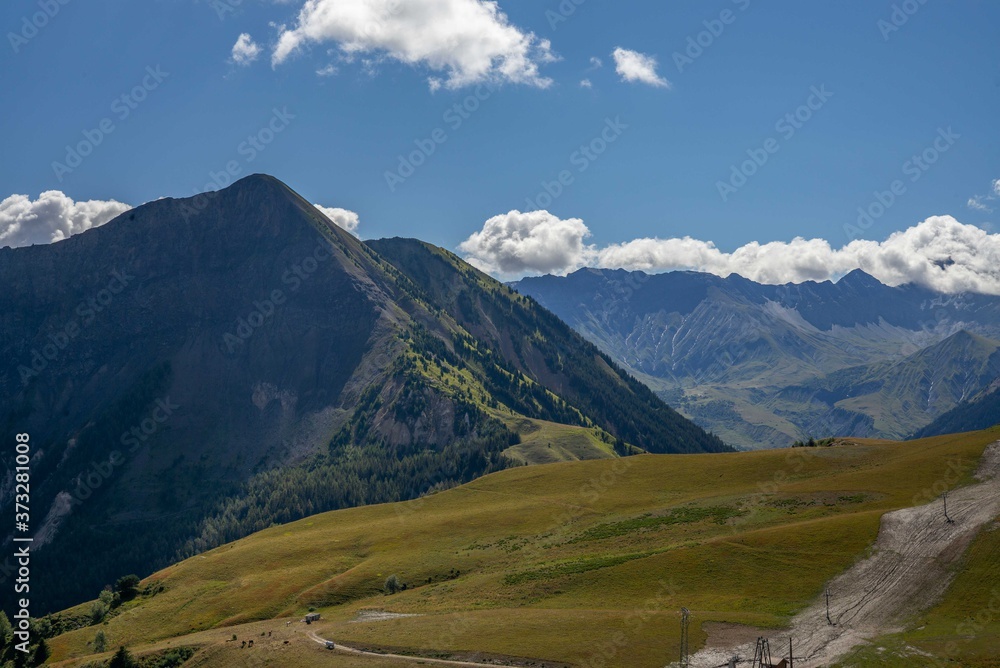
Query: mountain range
point(199, 369)
point(767, 365)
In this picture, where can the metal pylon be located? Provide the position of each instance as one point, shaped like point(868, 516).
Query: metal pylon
point(762, 654)
point(685, 658)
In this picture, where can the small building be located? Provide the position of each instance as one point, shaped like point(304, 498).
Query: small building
point(312, 617)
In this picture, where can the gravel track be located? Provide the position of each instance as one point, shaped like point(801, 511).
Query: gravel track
point(907, 572)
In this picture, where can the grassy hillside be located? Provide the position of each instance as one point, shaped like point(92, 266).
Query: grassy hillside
point(548, 442)
point(568, 562)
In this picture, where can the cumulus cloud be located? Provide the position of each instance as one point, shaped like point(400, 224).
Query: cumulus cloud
point(532, 242)
point(940, 253)
point(586, 83)
point(635, 67)
point(344, 219)
point(468, 41)
point(54, 216)
point(245, 51)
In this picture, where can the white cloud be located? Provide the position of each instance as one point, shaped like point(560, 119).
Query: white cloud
point(531, 242)
point(634, 67)
point(245, 51)
point(469, 41)
point(344, 219)
point(940, 253)
point(596, 63)
point(977, 203)
point(328, 71)
point(586, 83)
point(52, 217)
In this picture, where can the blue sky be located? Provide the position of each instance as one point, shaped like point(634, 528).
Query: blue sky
point(892, 93)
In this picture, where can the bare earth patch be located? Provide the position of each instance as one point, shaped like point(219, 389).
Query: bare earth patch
point(722, 635)
point(378, 616)
point(909, 570)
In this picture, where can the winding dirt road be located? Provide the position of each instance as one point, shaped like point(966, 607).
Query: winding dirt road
point(907, 572)
point(413, 659)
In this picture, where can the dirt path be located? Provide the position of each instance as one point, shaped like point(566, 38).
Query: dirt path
point(907, 572)
point(412, 659)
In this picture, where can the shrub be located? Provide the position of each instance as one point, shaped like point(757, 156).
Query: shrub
point(392, 585)
point(98, 610)
point(127, 586)
point(41, 653)
point(122, 659)
point(106, 596)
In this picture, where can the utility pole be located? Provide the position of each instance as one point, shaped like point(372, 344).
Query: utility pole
point(685, 659)
point(828, 620)
point(950, 521)
point(791, 657)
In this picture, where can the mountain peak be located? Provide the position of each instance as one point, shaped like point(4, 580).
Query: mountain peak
point(965, 337)
point(257, 186)
point(257, 206)
point(258, 181)
point(859, 279)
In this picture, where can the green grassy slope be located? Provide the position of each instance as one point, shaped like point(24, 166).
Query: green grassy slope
point(548, 442)
point(563, 562)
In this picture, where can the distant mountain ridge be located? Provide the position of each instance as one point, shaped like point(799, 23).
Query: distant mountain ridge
point(752, 362)
point(188, 379)
point(982, 409)
point(894, 395)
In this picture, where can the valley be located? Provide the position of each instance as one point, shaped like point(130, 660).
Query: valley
point(767, 365)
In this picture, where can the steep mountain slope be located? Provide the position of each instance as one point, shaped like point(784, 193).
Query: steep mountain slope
point(979, 412)
point(722, 350)
point(541, 346)
point(199, 369)
point(168, 356)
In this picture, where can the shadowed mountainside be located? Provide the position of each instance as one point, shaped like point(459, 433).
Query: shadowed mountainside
point(199, 369)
